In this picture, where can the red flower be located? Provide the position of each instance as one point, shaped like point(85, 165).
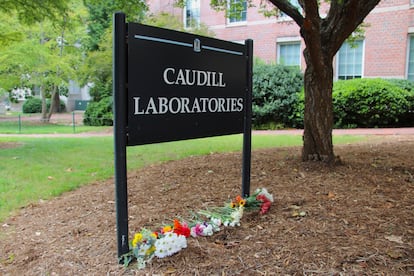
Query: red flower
point(181, 229)
point(266, 203)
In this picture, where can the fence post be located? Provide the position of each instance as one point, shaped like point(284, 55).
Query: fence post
point(73, 121)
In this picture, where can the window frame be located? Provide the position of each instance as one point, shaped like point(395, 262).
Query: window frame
point(410, 55)
point(241, 21)
point(350, 76)
point(289, 41)
point(198, 20)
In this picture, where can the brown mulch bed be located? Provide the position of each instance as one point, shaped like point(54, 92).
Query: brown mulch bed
point(356, 218)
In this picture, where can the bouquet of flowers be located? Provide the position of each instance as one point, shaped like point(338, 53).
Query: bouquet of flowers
point(261, 200)
point(170, 239)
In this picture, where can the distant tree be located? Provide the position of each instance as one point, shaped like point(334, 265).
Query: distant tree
point(100, 17)
point(30, 11)
point(47, 57)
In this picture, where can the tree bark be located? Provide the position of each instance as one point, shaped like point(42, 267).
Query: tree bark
point(44, 117)
point(54, 103)
point(318, 117)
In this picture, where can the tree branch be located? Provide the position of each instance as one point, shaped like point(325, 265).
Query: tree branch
point(346, 14)
point(289, 9)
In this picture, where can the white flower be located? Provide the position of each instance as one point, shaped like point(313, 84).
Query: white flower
point(208, 230)
point(216, 223)
point(170, 244)
point(236, 215)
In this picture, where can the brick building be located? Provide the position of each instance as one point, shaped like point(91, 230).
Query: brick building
point(387, 49)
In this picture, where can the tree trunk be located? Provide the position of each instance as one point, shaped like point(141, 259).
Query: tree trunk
point(318, 117)
point(44, 117)
point(54, 103)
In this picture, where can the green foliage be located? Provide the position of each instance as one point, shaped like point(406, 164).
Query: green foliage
point(275, 93)
point(369, 103)
point(297, 115)
point(34, 105)
point(100, 17)
point(99, 113)
point(408, 118)
point(30, 11)
point(402, 83)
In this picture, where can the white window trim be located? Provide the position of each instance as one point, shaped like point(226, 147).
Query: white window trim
point(185, 16)
point(238, 23)
point(407, 57)
point(288, 40)
point(362, 66)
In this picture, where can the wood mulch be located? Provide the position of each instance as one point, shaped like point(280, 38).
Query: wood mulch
point(352, 219)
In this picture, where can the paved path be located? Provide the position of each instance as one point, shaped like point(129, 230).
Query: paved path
point(355, 131)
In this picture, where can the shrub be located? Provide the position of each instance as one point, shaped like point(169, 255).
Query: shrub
point(275, 93)
point(99, 113)
point(407, 118)
point(34, 105)
point(368, 103)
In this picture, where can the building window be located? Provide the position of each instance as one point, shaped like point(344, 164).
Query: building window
point(349, 60)
point(288, 53)
point(410, 71)
point(192, 14)
point(237, 11)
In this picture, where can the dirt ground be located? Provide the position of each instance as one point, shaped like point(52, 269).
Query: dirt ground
point(356, 218)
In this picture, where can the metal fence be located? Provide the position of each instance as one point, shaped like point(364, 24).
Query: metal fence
point(20, 122)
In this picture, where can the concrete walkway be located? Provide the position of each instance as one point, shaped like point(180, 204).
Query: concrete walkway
point(353, 131)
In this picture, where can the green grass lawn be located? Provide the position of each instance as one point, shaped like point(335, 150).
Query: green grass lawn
point(41, 168)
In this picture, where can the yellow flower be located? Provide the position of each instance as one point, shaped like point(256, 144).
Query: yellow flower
point(166, 229)
point(137, 239)
point(150, 250)
point(242, 202)
point(232, 204)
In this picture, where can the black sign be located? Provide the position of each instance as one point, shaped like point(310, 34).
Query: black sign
point(171, 86)
point(183, 86)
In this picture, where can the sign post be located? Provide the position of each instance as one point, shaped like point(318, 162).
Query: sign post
point(171, 86)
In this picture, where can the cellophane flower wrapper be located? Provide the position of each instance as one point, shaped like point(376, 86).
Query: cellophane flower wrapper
point(260, 200)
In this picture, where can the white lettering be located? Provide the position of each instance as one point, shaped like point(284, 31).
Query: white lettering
point(180, 78)
point(165, 75)
point(163, 105)
point(151, 107)
point(136, 106)
point(171, 105)
point(239, 104)
point(201, 81)
point(187, 76)
point(192, 77)
point(184, 105)
point(221, 83)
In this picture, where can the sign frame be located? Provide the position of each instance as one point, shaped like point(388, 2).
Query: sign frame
point(122, 127)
